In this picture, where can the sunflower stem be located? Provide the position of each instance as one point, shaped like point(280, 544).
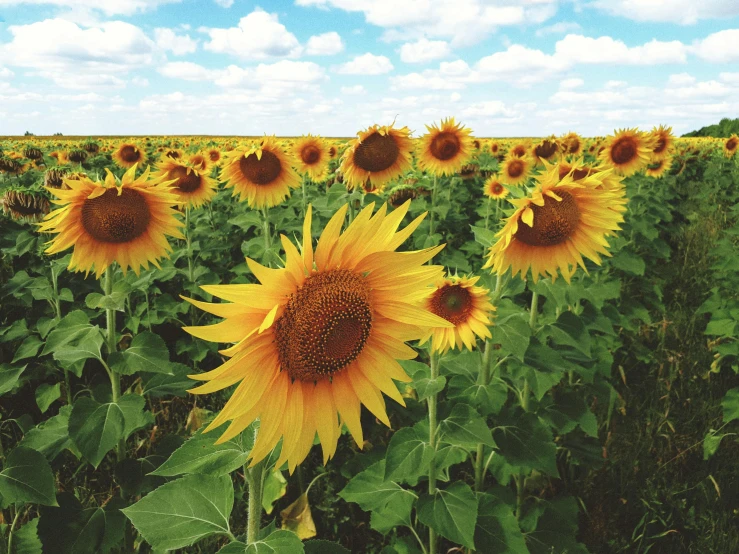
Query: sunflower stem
point(482, 379)
point(487, 213)
point(433, 206)
point(305, 203)
point(10, 531)
point(265, 229)
point(255, 481)
point(434, 369)
point(115, 379)
point(188, 239)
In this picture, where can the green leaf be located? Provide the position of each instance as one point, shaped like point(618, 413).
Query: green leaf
point(47, 394)
point(464, 427)
point(721, 327)
point(87, 345)
point(28, 348)
point(95, 428)
point(148, 353)
point(113, 301)
point(628, 262)
point(50, 437)
point(556, 529)
point(497, 528)
point(556, 291)
point(9, 376)
point(182, 512)
point(26, 540)
point(370, 490)
point(407, 457)
point(71, 327)
point(278, 542)
point(161, 384)
point(134, 416)
point(27, 477)
point(513, 334)
point(486, 399)
point(569, 330)
point(465, 363)
point(318, 546)
point(452, 513)
point(424, 385)
point(236, 547)
point(525, 441)
point(200, 454)
point(396, 513)
point(485, 237)
point(711, 442)
point(730, 405)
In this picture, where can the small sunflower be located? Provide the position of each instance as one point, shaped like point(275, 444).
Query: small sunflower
point(25, 205)
point(657, 168)
point(312, 157)
point(379, 154)
point(664, 142)
point(559, 223)
point(127, 155)
point(466, 306)
point(318, 338)
point(545, 150)
point(214, 155)
point(572, 144)
point(494, 189)
point(200, 162)
point(731, 145)
point(444, 150)
point(515, 171)
point(108, 223)
point(261, 173)
point(191, 186)
point(627, 152)
point(518, 150)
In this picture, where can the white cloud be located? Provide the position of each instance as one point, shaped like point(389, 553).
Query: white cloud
point(366, 64)
point(455, 97)
point(325, 44)
point(720, 47)
point(177, 44)
point(521, 66)
point(424, 50)
point(732, 78)
point(276, 75)
point(354, 89)
point(5, 73)
point(569, 84)
point(559, 28)
point(685, 12)
point(108, 7)
point(580, 49)
point(680, 79)
point(140, 81)
point(224, 3)
point(258, 36)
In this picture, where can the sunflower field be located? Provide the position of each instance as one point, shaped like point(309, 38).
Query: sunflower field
point(386, 344)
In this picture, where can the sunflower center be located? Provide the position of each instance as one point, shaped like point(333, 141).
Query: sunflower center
point(453, 303)
point(130, 154)
point(325, 325)
point(515, 168)
point(198, 161)
point(261, 171)
point(623, 151)
point(497, 188)
point(115, 218)
point(574, 146)
point(186, 182)
point(554, 222)
point(445, 146)
point(731, 144)
point(661, 144)
point(214, 155)
point(310, 154)
point(376, 153)
point(546, 149)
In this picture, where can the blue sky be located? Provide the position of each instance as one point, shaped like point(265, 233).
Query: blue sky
point(332, 67)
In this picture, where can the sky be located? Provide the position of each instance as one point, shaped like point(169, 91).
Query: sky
point(333, 67)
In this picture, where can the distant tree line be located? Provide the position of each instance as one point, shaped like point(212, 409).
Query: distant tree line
point(723, 129)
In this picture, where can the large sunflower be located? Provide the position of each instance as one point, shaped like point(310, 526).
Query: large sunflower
point(108, 223)
point(466, 306)
point(192, 186)
point(312, 157)
point(378, 154)
point(628, 151)
point(444, 150)
point(128, 154)
point(262, 173)
point(320, 337)
point(562, 221)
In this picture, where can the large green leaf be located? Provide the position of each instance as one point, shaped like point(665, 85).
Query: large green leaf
point(464, 427)
point(318, 546)
point(86, 346)
point(278, 542)
point(569, 330)
point(396, 513)
point(162, 384)
point(26, 540)
point(424, 385)
point(27, 477)
point(556, 529)
point(71, 327)
point(9, 376)
point(28, 348)
point(47, 394)
point(134, 416)
point(513, 334)
point(486, 399)
point(370, 490)
point(95, 428)
point(730, 405)
point(525, 441)
point(200, 454)
point(452, 513)
point(50, 437)
point(184, 511)
point(497, 530)
point(407, 457)
point(148, 353)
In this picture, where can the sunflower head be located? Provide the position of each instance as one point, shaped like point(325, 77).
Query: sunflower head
point(379, 154)
point(518, 150)
point(658, 167)
point(494, 189)
point(312, 157)
point(444, 149)
point(214, 155)
point(544, 150)
point(663, 142)
point(515, 171)
point(25, 204)
point(128, 155)
point(192, 186)
point(731, 145)
point(627, 152)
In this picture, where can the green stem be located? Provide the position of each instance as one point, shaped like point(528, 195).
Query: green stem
point(265, 229)
point(188, 238)
point(255, 480)
point(10, 531)
point(487, 213)
point(434, 366)
point(115, 379)
point(433, 206)
point(482, 379)
point(305, 203)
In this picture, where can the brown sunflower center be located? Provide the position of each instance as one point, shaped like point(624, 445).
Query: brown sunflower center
point(496, 188)
point(554, 222)
point(186, 182)
point(546, 149)
point(310, 154)
point(115, 218)
point(574, 146)
point(332, 151)
point(376, 153)
point(214, 155)
point(661, 145)
point(261, 171)
point(130, 154)
point(453, 303)
point(519, 151)
point(445, 146)
point(198, 161)
point(731, 144)
point(515, 168)
point(623, 151)
point(325, 325)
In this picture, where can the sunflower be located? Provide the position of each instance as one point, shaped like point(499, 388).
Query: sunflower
point(262, 173)
point(494, 148)
point(378, 154)
point(25, 205)
point(400, 194)
point(466, 306)
point(544, 150)
point(214, 155)
point(558, 224)
point(312, 157)
point(572, 144)
point(518, 151)
point(319, 337)
point(200, 162)
point(494, 189)
point(444, 150)
point(628, 151)
point(664, 142)
point(730, 146)
point(515, 171)
point(190, 185)
point(108, 223)
point(128, 154)
point(657, 168)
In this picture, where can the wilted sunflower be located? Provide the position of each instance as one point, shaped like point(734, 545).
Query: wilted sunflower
point(494, 189)
point(444, 150)
point(558, 224)
point(25, 205)
point(664, 142)
point(128, 154)
point(108, 223)
point(320, 337)
point(544, 150)
point(657, 168)
point(731, 145)
point(312, 157)
point(515, 171)
point(378, 154)
point(628, 151)
point(466, 306)
point(191, 186)
point(262, 173)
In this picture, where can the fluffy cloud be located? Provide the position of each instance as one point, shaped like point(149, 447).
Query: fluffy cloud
point(224, 3)
point(355, 89)
point(559, 28)
point(672, 11)
point(277, 75)
point(580, 49)
point(179, 45)
point(720, 47)
point(108, 7)
point(424, 50)
point(569, 84)
point(366, 64)
point(325, 44)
